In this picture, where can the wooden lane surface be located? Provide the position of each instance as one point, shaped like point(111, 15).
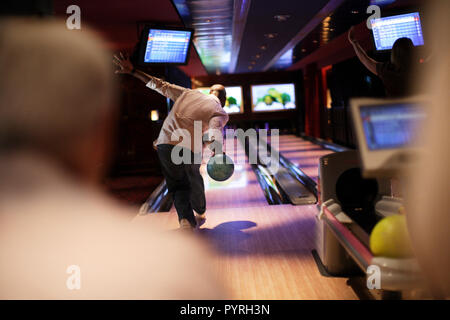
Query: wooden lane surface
point(304, 154)
point(260, 251)
point(264, 252)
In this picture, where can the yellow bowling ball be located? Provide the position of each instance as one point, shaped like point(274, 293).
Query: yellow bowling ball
point(390, 238)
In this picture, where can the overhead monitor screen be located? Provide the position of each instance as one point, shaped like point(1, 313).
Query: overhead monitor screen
point(273, 97)
point(381, 2)
point(234, 102)
point(391, 126)
point(167, 46)
point(387, 30)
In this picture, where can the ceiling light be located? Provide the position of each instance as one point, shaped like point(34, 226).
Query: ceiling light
point(303, 50)
point(282, 17)
point(271, 35)
point(315, 41)
point(154, 115)
point(250, 67)
point(208, 20)
point(263, 47)
point(355, 11)
point(253, 62)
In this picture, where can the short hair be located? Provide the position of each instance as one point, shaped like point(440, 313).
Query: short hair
point(221, 92)
point(55, 83)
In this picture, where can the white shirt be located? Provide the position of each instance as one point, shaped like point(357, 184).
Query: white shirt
point(190, 106)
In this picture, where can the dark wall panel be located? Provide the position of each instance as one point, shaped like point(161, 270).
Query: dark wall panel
point(134, 153)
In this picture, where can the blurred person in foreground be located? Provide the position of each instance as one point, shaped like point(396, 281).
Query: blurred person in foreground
point(60, 237)
point(428, 210)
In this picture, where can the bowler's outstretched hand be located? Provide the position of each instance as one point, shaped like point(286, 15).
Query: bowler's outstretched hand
point(123, 63)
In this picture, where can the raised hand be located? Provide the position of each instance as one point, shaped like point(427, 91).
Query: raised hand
point(123, 63)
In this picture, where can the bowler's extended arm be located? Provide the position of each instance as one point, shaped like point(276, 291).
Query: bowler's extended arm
point(167, 89)
point(367, 61)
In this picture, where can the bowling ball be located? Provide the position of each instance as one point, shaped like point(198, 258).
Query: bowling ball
point(220, 167)
point(390, 238)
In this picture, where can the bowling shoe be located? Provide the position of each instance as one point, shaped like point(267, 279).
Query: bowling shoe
point(200, 218)
point(185, 225)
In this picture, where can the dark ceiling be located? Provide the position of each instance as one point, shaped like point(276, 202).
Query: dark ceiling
point(213, 24)
point(231, 36)
point(262, 25)
point(238, 36)
point(349, 13)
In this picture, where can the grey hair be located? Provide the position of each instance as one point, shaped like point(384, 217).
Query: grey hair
point(55, 84)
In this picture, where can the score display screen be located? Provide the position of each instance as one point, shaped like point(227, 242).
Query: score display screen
point(387, 30)
point(167, 46)
point(273, 97)
point(391, 126)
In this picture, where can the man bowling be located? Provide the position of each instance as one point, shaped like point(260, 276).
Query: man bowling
point(192, 111)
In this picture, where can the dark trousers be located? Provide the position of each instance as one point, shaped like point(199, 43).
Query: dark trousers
point(184, 182)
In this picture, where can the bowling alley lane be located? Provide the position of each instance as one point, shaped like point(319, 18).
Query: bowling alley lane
point(242, 189)
point(261, 251)
point(264, 252)
point(302, 153)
